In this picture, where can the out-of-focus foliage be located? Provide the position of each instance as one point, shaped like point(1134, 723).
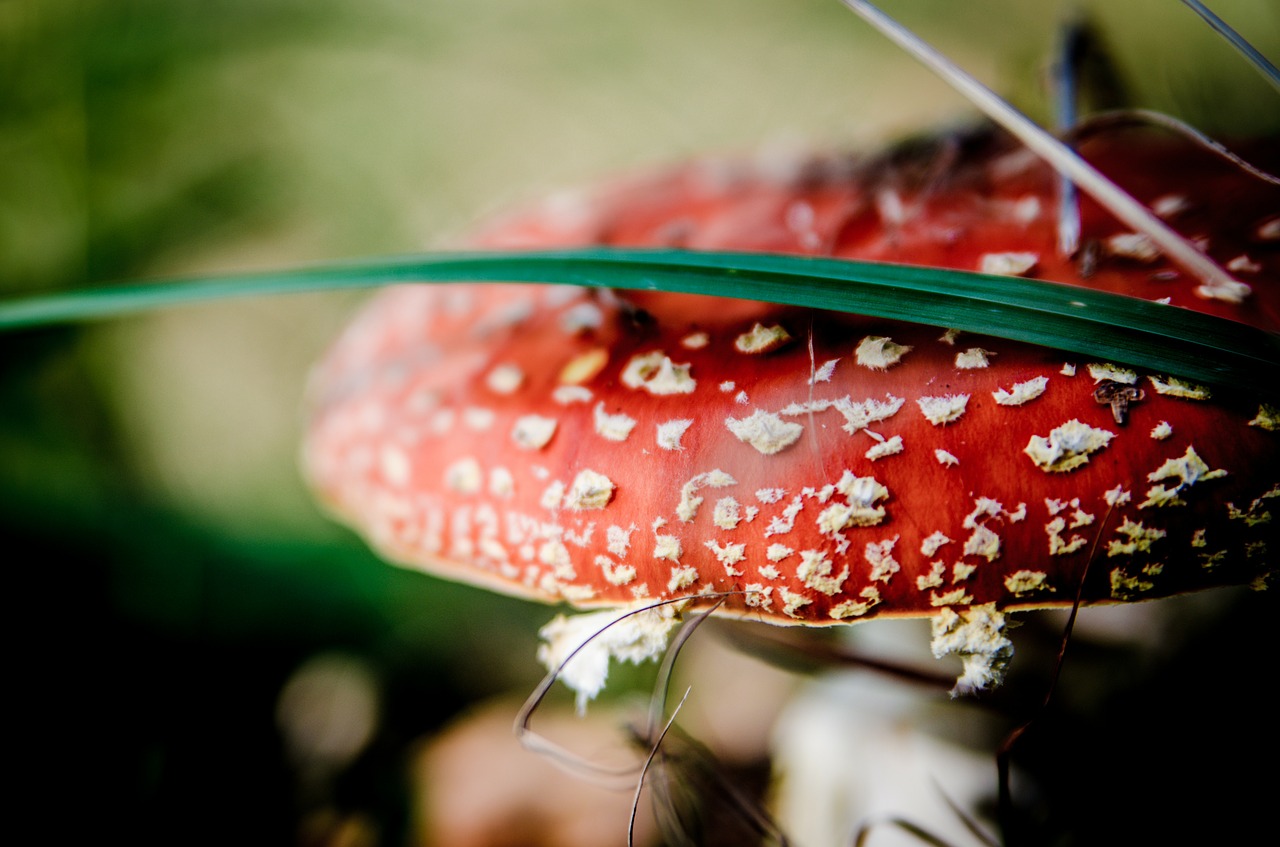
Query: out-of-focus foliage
point(168, 568)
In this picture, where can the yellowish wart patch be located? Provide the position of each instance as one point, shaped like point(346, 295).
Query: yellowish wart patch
point(1007, 264)
point(824, 371)
point(1058, 547)
point(1256, 515)
point(758, 595)
point(1133, 246)
point(954, 597)
point(885, 448)
point(590, 490)
point(612, 427)
point(583, 367)
point(1067, 447)
point(501, 483)
point(569, 394)
point(477, 418)
point(464, 476)
point(670, 432)
point(619, 539)
point(944, 409)
point(1210, 561)
point(862, 493)
point(695, 341)
point(879, 353)
point(552, 495)
point(533, 432)
point(856, 608)
point(1242, 264)
point(504, 379)
point(1137, 539)
point(1026, 209)
point(1174, 387)
point(933, 579)
point(554, 554)
point(1022, 583)
point(792, 602)
point(1228, 291)
point(761, 339)
point(395, 465)
point(682, 577)
point(1117, 496)
point(1125, 587)
point(1161, 431)
point(689, 499)
point(1022, 392)
point(728, 555)
point(727, 514)
point(859, 416)
point(593, 639)
point(982, 542)
point(765, 431)
point(667, 547)
point(1115, 373)
point(975, 358)
point(614, 573)
point(945, 458)
point(580, 318)
point(442, 421)
point(879, 555)
point(1268, 418)
point(932, 543)
point(976, 635)
point(1187, 469)
point(776, 553)
point(655, 373)
point(1168, 205)
point(815, 569)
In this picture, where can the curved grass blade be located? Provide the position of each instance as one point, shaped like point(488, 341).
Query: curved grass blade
point(1062, 158)
point(1096, 324)
point(1259, 61)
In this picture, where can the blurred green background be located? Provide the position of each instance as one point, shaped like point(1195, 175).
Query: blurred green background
point(168, 569)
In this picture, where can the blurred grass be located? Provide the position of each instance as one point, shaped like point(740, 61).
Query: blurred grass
point(170, 568)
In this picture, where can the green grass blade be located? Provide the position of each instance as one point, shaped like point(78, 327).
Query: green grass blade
point(1096, 324)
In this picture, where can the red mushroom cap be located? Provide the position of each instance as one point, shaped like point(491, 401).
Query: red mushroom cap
point(565, 444)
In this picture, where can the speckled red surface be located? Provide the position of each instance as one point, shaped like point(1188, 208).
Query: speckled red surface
point(450, 424)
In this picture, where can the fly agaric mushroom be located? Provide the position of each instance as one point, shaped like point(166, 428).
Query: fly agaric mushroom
point(610, 451)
